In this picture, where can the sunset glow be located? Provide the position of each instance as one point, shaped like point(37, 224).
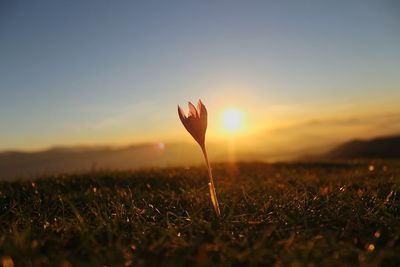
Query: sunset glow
point(232, 120)
point(278, 76)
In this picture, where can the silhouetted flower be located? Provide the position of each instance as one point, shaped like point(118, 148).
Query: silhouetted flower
point(196, 121)
point(196, 124)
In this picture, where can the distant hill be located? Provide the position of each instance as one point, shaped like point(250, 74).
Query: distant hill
point(382, 147)
point(75, 159)
point(80, 159)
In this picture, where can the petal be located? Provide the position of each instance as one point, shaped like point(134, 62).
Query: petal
point(201, 108)
point(203, 114)
point(182, 115)
point(192, 110)
point(199, 103)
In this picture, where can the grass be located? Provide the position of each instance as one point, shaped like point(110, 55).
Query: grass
point(338, 214)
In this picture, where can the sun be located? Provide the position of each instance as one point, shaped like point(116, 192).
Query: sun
point(232, 120)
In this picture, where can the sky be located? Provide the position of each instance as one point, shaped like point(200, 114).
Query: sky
point(113, 72)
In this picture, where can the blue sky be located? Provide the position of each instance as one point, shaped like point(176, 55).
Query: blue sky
point(102, 72)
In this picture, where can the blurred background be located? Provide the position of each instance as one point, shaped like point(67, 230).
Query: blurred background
point(95, 84)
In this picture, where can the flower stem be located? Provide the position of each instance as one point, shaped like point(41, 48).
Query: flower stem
point(213, 194)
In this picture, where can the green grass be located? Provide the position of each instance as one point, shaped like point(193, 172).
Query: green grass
point(340, 214)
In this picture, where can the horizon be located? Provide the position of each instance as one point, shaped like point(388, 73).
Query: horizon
point(303, 76)
point(279, 155)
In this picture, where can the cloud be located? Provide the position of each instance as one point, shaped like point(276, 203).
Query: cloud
point(390, 120)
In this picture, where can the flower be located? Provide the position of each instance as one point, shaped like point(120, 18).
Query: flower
point(196, 124)
point(196, 121)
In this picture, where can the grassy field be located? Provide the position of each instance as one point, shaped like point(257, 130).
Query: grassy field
point(337, 214)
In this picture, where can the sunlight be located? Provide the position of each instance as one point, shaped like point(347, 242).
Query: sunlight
point(232, 120)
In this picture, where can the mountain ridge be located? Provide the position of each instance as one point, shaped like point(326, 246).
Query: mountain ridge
point(384, 147)
point(87, 158)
